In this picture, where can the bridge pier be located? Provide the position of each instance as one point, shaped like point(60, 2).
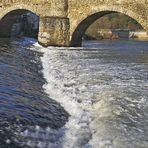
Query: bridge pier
point(53, 31)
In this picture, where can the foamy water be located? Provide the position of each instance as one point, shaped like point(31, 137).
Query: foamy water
point(64, 86)
point(105, 93)
point(104, 90)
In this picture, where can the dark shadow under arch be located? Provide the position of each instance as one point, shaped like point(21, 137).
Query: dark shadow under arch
point(9, 19)
point(76, 39)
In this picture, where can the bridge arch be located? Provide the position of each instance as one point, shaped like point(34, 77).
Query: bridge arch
point(82, 23)
point(8, 17)
point(14, 7)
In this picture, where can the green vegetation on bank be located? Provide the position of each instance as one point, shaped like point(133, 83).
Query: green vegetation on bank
point(113, 21)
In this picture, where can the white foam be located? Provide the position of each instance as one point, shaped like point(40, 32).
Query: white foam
point(72, 80)
point(36, 44)
point(66, 97)
point(61, 86)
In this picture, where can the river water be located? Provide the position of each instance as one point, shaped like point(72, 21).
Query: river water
point(95, 96)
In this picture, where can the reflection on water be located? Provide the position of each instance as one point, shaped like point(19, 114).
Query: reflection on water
point(102, 86)
point(23, 102)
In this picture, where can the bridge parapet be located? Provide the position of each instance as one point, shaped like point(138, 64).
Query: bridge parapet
point(55, 8)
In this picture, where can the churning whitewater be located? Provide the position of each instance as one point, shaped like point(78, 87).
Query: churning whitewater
point(103, 88)
point(64, 85)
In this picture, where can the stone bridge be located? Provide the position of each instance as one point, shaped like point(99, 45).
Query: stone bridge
point(63, 22)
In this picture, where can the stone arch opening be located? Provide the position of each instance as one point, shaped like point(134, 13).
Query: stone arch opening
point(19, 22)
point(76, 38)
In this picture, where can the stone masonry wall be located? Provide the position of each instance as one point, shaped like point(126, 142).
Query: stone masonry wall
point(54, 31)
point(60, 15)
point(53, 21)
point(78, 11)
point(55, 8)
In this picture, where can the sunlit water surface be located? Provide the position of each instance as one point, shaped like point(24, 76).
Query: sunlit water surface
point(90, 97)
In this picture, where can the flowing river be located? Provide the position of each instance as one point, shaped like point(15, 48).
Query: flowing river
point(95, 96)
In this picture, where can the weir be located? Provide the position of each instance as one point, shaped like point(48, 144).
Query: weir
point(63, 22)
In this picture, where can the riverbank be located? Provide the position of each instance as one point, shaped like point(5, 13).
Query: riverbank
point(117, 34)
point(139, 35)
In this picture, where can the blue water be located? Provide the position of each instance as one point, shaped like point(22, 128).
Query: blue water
point(90, 97)
point(22, 99)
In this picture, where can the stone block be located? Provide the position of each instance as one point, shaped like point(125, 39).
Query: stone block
point(54, 31)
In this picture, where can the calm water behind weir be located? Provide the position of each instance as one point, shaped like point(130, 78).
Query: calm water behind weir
point(90, 97)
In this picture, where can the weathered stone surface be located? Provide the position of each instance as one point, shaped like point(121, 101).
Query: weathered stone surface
point(54, 31)
point(84, 12)
point(54, 8)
